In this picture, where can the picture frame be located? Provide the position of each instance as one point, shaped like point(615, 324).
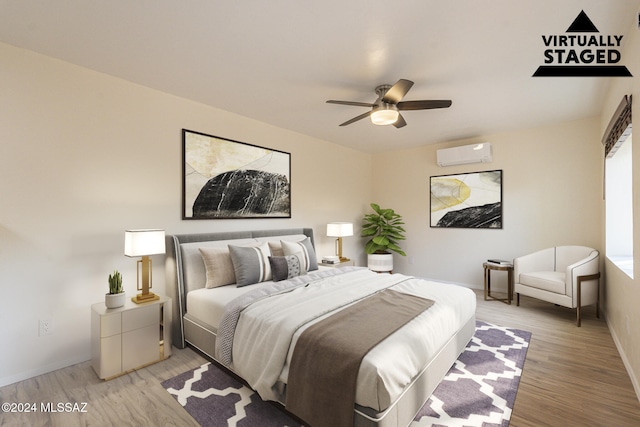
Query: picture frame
point(227, 179)
point(466, 200)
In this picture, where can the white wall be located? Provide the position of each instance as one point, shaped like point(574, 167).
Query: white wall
point(622, 294)
point(84, 156)
point(552, 195)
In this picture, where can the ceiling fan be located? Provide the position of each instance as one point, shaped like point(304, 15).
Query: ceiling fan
point(386, 109)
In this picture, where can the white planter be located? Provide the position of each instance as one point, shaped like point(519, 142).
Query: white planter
point(115, 300)
point(380, 262)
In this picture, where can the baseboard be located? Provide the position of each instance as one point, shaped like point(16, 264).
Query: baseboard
point(625, 361)
point(464, 285)
point(43, 370)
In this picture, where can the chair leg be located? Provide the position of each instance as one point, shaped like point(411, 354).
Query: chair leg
point(518, 299)
point(579, 299)
point(598, 298)
point(587, 278)
point(578, 321)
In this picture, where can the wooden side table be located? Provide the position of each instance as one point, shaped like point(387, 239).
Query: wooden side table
point(488, 266)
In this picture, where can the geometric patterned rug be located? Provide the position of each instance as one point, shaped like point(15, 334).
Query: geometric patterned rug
point(479, 389)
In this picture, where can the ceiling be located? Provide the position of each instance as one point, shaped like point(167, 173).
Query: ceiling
point(278, 61)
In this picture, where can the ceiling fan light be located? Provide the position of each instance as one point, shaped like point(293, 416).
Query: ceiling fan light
point(384, 116)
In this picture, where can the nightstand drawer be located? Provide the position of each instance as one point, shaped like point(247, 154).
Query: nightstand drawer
point(140, 347)
point(141, 317)
point(110, 325)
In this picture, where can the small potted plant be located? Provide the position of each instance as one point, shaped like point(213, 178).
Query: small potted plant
point(385, 229)
point(116, 296)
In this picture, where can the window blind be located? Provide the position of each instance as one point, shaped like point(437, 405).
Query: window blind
point(619, 127)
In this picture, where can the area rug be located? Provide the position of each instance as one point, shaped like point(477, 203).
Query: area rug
point(479, 389)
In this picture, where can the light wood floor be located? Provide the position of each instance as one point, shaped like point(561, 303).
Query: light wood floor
point(572, 377)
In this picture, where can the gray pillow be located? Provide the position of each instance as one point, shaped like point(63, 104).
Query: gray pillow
point(286, 267)
point(309, 260)
point(250, 263)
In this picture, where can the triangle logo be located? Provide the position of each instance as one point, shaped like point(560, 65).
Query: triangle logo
point(582, 24)
point(580, 53)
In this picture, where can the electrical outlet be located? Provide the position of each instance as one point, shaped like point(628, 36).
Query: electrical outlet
point(46, 327)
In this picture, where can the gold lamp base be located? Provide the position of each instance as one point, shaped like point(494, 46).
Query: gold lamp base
point(146, 295)
point(339, 250)
point(140, 298)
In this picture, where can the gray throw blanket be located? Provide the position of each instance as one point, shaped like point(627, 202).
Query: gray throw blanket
point(324, 368)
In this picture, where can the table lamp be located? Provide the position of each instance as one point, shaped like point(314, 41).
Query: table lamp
point(144, 243)
point(339, 230)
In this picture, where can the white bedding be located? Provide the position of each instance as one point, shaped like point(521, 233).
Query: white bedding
point(207, 305)
point(262, 350)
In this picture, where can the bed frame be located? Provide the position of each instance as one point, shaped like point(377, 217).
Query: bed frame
point(191, 332)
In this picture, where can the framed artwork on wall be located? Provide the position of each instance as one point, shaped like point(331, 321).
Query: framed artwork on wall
point(467, 200)
point(223, 178)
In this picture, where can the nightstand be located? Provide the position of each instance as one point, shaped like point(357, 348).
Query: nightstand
point(129, 337)
point(340, 264)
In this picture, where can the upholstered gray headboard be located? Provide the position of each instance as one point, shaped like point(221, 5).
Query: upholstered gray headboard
point(176, 285)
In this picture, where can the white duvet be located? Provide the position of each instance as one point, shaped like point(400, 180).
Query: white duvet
point(268, 329)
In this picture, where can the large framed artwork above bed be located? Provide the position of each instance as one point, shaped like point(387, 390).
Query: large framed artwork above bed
point(256, 302)
point(223, 178)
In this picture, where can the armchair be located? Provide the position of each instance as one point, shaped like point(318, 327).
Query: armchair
point(565, 275)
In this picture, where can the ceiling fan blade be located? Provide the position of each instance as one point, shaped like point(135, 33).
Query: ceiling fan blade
point(355, 119)
point(397, 91)
point(357, 104)
point(400, 122)
point(424, 105)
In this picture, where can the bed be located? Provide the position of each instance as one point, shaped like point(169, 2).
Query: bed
point(395, 378)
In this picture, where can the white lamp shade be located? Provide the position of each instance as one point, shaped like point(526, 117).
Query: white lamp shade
point(339, 229)
point(144, 242)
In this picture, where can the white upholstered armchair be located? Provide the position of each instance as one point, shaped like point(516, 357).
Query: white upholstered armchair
point(565, 275)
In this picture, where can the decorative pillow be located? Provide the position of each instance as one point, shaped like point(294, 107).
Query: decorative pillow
point(250, 263)
point(309, 260)
point(219, 267)
point(276, 248)
point(286, 267)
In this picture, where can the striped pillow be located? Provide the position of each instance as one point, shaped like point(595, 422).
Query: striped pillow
point(305, 248)
point(250, 263)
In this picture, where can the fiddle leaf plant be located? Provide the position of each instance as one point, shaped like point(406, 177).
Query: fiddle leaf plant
point(384, 226)
point(115, 283)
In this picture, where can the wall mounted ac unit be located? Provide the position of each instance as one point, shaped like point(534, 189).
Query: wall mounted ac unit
point(475, 153)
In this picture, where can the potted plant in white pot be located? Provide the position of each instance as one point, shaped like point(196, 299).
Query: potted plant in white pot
point(116, 296)
point(384, 227)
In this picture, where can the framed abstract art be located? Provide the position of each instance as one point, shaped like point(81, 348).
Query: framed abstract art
point(467, 200)
point(223, 178)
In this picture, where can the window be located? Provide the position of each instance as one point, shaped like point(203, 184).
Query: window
point(619, 208)
point(619, 189)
